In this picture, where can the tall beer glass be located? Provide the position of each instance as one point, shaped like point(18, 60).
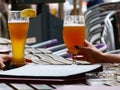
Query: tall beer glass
point(18, 29)
point(74, 32)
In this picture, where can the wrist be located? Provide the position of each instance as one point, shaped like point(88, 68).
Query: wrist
point(101, 57)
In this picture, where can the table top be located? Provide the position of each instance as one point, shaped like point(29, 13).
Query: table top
point(107, 77)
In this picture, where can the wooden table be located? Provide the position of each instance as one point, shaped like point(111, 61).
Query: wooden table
point(35, 55)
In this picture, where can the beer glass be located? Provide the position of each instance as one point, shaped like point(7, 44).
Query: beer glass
point(74, 32)
point(18, 29)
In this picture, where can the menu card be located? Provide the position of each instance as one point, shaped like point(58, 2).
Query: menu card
point(37, 70)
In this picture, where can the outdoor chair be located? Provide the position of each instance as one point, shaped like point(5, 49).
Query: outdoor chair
point(96, 9)
point(45, 44)
point(114, 28)
point(56, 47)
point(97, 27)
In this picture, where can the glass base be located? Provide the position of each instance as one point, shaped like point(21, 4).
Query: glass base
point(12, 66)
point(74, 62)
point(8, 67)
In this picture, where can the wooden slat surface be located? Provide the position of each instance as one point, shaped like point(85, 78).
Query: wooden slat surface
point(40, 57)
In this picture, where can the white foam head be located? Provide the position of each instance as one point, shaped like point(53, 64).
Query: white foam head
point(74, 20)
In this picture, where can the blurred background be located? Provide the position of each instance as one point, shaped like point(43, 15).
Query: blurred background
point(49, 21)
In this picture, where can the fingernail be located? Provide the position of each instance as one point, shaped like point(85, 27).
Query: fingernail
point(77, 47)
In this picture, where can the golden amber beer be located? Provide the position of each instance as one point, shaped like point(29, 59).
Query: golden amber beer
point(18, 29)
point(74, 33)
point(74, 36)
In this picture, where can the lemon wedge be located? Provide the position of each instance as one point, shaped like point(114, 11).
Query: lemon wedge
point(28, 13)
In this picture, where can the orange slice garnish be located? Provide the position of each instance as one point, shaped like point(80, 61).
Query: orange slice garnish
point(28, 13)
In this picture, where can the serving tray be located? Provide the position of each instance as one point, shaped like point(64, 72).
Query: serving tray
point(48, 74)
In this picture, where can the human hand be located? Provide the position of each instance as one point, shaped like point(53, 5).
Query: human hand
point(89, 53)
point(4, 59)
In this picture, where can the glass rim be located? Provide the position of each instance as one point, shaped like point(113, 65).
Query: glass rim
point(18, 17)
point(74, 20)
point(74, 25)
point(14, 11)
point(74, 15)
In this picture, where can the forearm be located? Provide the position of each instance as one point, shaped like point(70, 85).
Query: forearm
point(109, 58)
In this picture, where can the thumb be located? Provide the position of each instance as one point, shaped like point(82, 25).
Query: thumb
point(86, 43)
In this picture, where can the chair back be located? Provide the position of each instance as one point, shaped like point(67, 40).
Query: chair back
point(116, 27)
point(97, 29)
point(111, 32)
